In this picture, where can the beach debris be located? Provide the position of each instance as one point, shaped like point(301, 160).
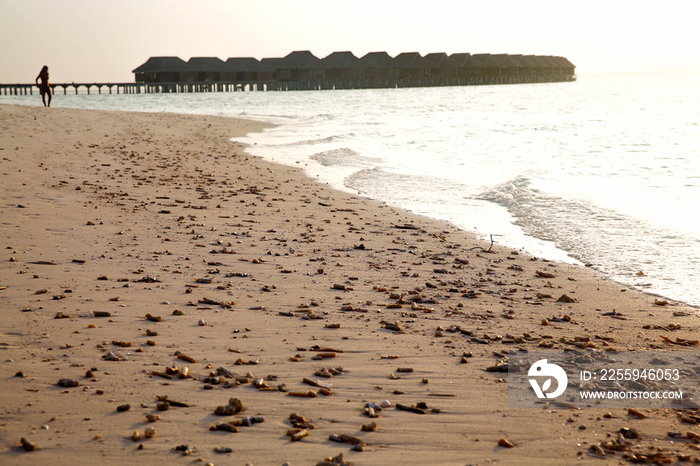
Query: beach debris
point(147, 279)
point(565, 299)
point(636, 413)
point(165, 399)
point(337, 460)
point(541, 274)
point(152, 417)
point(122, 408)
point(371, 427)
point(110, 356)
point(410, 409)
point(502, 442)
point(61, 315)
point(392, 326)
point(150, 432)
point(225, 427)
point(329, 372)
point(299, 422)
point(222, 450)
point(680, 341)
point(101, 314)
point(153, 318)
point(162, 406)
point(337, 286)
point(316, 383)
point(297, 434)
point(27, 445)
point(344, 438)
point(406, 226)
point(185, 357)
point(309, 394)
point(596, 449)
point(235, 405)
point(501, 367)
point(68, 383)
point(185, 449)
point(136, 436)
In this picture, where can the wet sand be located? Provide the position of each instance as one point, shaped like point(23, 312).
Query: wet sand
point(253, 268)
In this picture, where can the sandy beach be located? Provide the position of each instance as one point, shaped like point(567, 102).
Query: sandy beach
point(137, 247)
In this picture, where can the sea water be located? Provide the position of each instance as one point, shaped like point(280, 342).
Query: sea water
point(603, 172)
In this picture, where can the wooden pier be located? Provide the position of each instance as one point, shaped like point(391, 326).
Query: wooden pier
point(273, 85)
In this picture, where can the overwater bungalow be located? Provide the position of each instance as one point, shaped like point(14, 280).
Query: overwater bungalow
point(207, 69)
point(299, 66)
point(161, 69)
point(408, 65)
point(437, 65)
point(249, 69)
point(343, 70)
point(375, 66)
point(341, 66)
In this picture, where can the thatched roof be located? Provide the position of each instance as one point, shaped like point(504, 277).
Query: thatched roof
point(208, 64)
point(479, 60)
point(376, 60)
point(163, 65)
point(246, 65)
point(548, 61)
point(500, 60)
point(460, 59)
point(519, 61)
point(408, 60)
point(534, 61)
point(436, 60)
point(340, 60)
point(271, 62)
point(299, 60)
point(567, 63)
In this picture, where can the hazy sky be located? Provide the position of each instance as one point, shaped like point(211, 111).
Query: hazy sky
point(103, 41)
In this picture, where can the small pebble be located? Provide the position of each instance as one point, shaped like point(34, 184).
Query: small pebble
point(505, 443)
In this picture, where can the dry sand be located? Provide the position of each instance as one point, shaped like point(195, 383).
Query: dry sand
point(134, 214)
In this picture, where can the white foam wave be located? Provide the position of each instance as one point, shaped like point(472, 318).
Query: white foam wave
point(598, 236)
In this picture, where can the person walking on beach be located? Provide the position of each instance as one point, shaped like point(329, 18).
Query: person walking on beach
point(44, 87)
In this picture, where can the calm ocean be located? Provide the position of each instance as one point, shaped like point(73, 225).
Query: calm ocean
point(605, 172)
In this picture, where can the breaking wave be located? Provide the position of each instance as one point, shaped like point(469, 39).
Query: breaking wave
point(343, 156)
point(596, 236)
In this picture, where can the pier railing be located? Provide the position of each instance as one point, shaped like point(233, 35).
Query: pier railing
point(274, 85)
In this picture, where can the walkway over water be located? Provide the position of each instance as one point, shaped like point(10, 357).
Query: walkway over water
point(273, 85)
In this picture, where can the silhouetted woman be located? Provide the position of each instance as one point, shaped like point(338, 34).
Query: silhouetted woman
point(44, 87)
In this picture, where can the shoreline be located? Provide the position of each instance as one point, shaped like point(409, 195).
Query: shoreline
point(124, 212)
